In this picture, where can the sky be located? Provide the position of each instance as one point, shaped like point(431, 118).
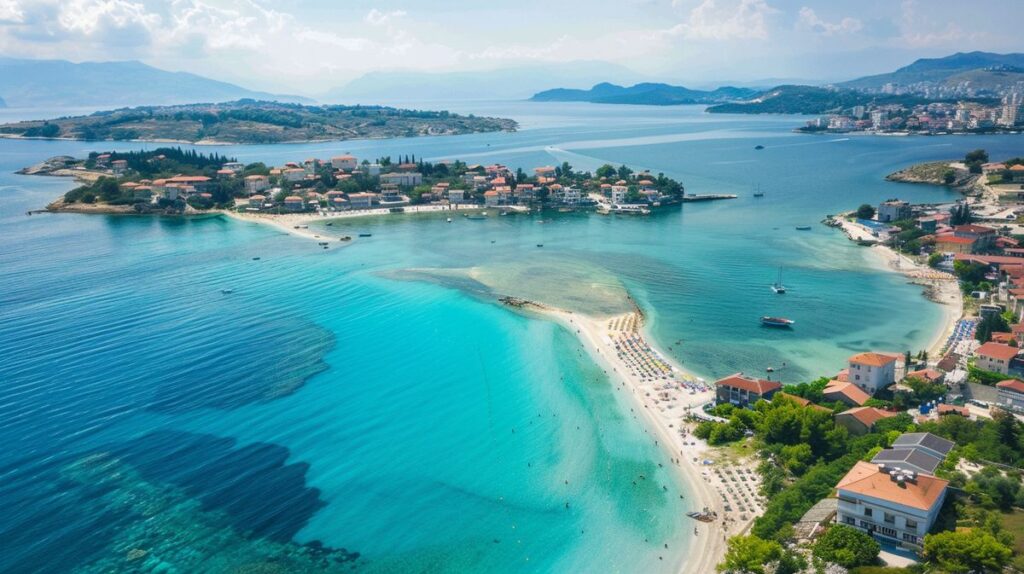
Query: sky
point(311, 46)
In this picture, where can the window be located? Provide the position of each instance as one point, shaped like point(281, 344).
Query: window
point(867, 512)
point(889, 518)
point(912, 525)
point(849, 520)
point(910, 538)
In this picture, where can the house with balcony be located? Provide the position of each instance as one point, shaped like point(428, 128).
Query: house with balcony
point(893, 505)
point(742, 390)
point(995, 357)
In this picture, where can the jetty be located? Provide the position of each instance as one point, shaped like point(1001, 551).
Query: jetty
point(708, 196)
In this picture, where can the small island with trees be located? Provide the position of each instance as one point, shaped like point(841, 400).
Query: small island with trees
point(176, 181)
point(254, 122)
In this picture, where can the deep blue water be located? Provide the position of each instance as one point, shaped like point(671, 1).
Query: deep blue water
point(327, 405)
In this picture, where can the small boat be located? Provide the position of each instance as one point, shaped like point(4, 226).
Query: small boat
point(322, 243)
point(758, 192)
point(365, 235)
point(777, 322)
point(540, 245)
point(759, 146)
point(227, 291)
point(255, 258)
point(702, 516)
point(328, 224)
point(476, 217)
point(803, 227)
point(778, 287)
point(449, 220)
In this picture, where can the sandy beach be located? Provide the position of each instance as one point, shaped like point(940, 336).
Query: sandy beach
point(295, 223)
point(660, 391)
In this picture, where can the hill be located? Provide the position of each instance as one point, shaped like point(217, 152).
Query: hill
point(60, 83)
point(944, 70)
point(515, 83)
point(645, 94)
point(253, 122)
point(808, 100)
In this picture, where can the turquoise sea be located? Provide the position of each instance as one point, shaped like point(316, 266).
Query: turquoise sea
point(339, 412)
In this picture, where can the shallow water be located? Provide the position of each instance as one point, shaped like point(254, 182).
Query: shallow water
point(324, 403)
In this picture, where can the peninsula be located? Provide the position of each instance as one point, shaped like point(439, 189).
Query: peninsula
point(249, 121)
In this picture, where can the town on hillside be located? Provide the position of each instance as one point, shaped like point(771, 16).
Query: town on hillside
point(170, 180)
point(1003, 115)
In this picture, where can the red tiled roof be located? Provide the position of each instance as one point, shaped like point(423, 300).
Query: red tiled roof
point(926, 374)
point(836, 389)
point(953, 239)
point(749, 384)
point(997, 351)
point(953, 410)
point(872, 359)
point(1015, 385)
point(868, 416)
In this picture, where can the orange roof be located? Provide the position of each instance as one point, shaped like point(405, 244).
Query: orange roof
point(1015, 385)
point(868, 416)
point(997, 351)
point(953, 239)
point(926, 374)
point(1001, 337)
point(953, 410)
point(491, 193)
point(847, 390)
point(798, 400)
point(188, 179)
point(867, 480)
point(872, 359)
point(749, 384)
point(802, 402)
point(1017, 167)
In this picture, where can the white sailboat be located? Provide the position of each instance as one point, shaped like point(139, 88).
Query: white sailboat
point(778, 287)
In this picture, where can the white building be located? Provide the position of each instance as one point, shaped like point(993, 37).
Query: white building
point(256, 183)
point(619, 194)
point(456, 196)
point(406, 179)
point(894, 210)
point(872, 371)
point(891, 504)
point(344, 162)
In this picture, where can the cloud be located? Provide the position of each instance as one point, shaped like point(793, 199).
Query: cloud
point(11, 12)
point(809, 20)
point(377, 18)
point(920, 31)
point(714, 20)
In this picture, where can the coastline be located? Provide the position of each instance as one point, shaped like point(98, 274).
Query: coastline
point(292, 223)
point(706, 549)
point(940, 287)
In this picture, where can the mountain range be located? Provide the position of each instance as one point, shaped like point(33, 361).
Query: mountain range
point(984, 68)
point(60, 83)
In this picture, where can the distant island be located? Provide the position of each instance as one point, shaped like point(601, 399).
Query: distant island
point(30, 83)
point(644, 94)
point(254, 122)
